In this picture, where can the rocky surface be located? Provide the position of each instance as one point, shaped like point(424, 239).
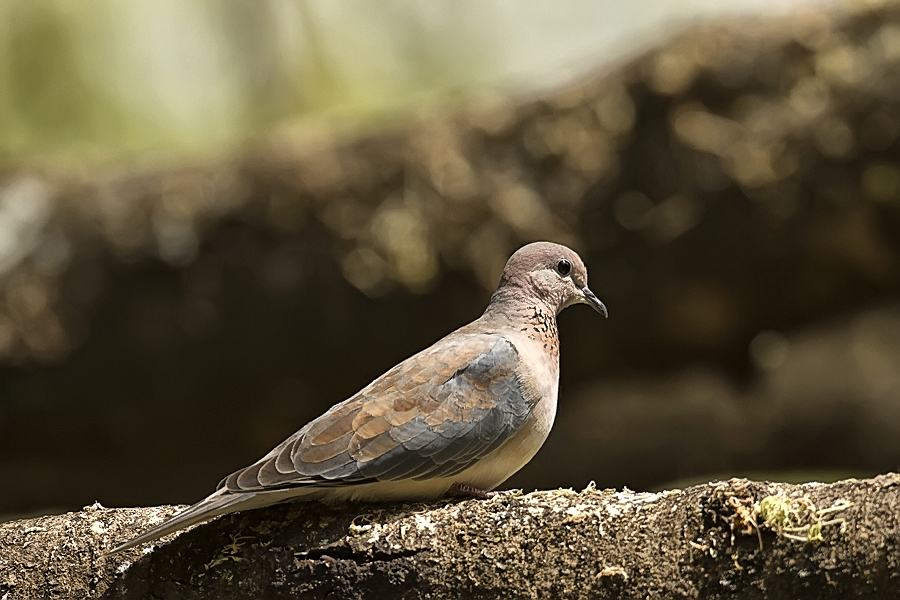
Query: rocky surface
point(734, 539)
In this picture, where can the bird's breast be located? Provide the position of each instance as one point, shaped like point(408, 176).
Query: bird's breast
point(538, 370)
point(539, 375)
point(501, 464)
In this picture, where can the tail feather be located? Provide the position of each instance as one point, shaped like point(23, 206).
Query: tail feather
point(213, 506)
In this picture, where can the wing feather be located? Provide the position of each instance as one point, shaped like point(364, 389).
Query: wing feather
point(433, 415)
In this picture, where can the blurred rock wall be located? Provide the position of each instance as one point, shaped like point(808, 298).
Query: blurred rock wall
point(726, 190)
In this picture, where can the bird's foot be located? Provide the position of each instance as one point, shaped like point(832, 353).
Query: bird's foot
point(464, 490)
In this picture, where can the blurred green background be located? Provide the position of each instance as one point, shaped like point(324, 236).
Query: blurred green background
point(216, 220)
point(147, 80)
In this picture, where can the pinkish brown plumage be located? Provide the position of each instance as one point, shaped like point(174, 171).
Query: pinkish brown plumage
point(462, 415)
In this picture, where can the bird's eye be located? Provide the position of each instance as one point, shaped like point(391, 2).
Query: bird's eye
point(564, 267)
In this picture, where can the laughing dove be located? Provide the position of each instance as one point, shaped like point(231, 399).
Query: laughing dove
point(458, 418)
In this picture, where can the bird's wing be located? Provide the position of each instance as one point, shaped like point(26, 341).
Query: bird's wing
point(433, 415)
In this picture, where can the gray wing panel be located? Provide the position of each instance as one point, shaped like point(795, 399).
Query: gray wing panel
point(433, 415)
point(478, 409)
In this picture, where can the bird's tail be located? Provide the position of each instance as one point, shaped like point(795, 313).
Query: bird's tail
point(213, 506)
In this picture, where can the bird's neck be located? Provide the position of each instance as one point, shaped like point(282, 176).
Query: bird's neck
point(532, 318)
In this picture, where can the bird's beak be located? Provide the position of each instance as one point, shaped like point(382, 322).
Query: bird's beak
point(593, 301)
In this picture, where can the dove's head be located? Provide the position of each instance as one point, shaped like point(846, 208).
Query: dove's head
point(550, 273)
